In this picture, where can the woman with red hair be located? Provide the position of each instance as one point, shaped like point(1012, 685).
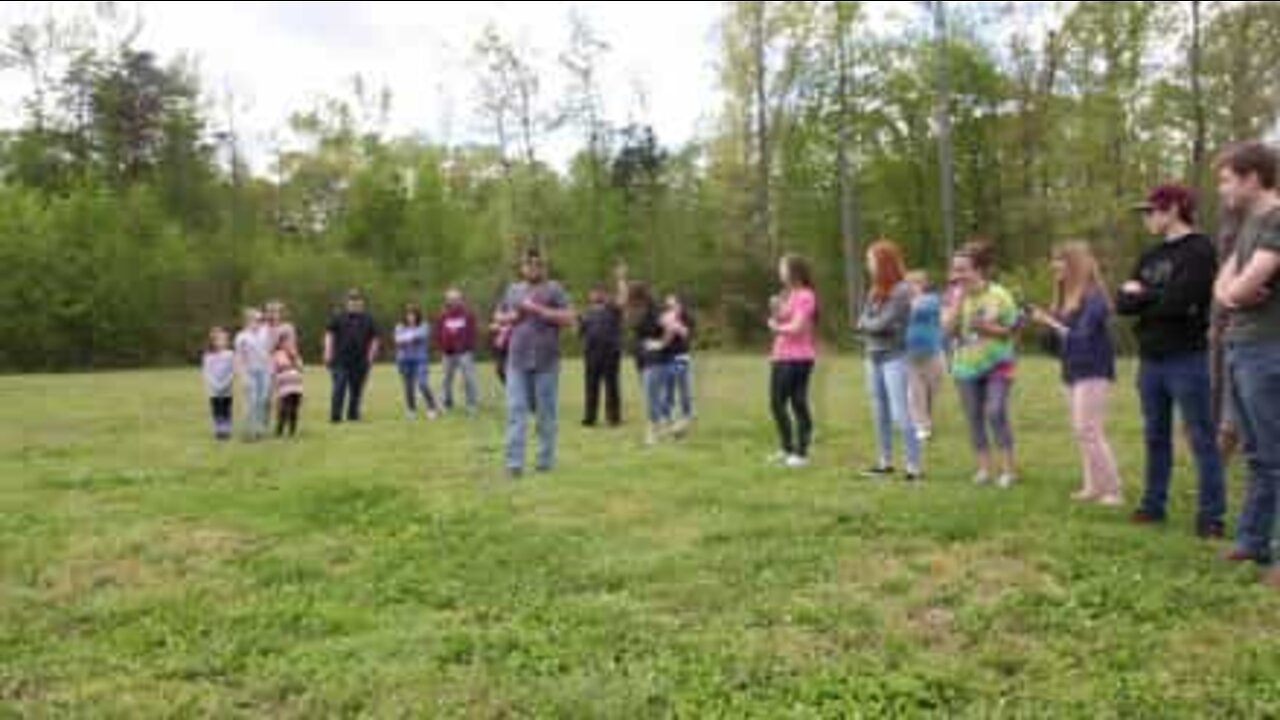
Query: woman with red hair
point(883, 325)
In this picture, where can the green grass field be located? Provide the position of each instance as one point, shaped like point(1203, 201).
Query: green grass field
point(388, 570)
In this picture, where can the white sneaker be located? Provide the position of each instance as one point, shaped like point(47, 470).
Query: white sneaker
point(651, 435)
point(410, 415)
point(982, 478)
point(433, 415)
point(1006, 481)
point(795, 462)
point(924, 436)
point(777, 458)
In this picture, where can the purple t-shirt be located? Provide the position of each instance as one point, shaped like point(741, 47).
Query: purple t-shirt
point(535, 343)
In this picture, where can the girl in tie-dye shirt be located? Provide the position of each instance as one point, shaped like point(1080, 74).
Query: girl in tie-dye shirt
point(983, 319)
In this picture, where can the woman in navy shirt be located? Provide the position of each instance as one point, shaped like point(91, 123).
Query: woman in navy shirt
point(1080, 323)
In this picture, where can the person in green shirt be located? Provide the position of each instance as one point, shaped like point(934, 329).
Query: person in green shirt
point(982, 319)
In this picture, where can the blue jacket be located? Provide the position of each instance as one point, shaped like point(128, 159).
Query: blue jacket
point(924, 331)
point(1087, 351)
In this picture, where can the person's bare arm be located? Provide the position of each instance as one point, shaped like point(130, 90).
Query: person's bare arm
point(992, 329)
point(1226, 278)
point(564, 317)
point(1042, 317)
point(676, 328)
point(795, 326)
point(560, 312)
point(328, 348)
point(622, 285)
point(672, 329)
point(990, 323)
point(505, 315)
point(1250, 286)
point(951, 319)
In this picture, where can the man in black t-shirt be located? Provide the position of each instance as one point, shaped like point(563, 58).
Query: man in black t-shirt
point(350, 347)
point(600, 327)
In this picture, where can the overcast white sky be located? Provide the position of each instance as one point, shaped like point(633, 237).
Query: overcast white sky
point(278, 57)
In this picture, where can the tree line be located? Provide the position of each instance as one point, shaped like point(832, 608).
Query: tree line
point(130, 220)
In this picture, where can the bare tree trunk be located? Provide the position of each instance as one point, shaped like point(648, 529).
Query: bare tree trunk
point(945, 154)
point(1200, 141)
point(526, 124)
point(597, 197)
point(848, 208)
point(651, 217)
point(1043, 118)
point(763, 220)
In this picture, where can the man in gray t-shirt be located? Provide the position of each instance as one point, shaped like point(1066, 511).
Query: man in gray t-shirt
point(536, 309)
point(1248, 289)
point(1260, 322)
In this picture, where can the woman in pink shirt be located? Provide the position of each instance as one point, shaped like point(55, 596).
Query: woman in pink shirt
point(794, 316)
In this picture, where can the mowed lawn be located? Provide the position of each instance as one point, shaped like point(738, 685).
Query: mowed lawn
point(389, 570)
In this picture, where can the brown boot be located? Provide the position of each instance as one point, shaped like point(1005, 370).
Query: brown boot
point(1272, 578)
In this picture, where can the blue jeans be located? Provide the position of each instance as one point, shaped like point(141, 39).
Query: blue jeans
point(348, 391)
point(466, 364)
point(887, 384)
point(415, 375)
point(655, 379)
point(542, 390)
point(986, 406)
point(679, 387)
point(1182, 381)
point(1255, 383)
point(257, 392)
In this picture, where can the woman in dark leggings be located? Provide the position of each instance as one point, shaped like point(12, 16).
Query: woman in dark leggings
point(793, 319)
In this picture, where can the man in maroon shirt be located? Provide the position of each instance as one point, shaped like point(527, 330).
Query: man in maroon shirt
point(456, 332)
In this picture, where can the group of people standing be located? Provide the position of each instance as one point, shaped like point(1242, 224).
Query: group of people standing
point(264, 355)
point(352, 343)
point(528, 324)
point(1190, 297)
point(525, 330)
point(904, 325)
point(456, 333)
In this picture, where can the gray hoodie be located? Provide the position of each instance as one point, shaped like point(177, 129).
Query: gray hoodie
point(219, 373)
point(884, 322)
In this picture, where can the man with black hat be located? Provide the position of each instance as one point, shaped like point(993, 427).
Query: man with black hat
point(350, 347)
point(1171, 295)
